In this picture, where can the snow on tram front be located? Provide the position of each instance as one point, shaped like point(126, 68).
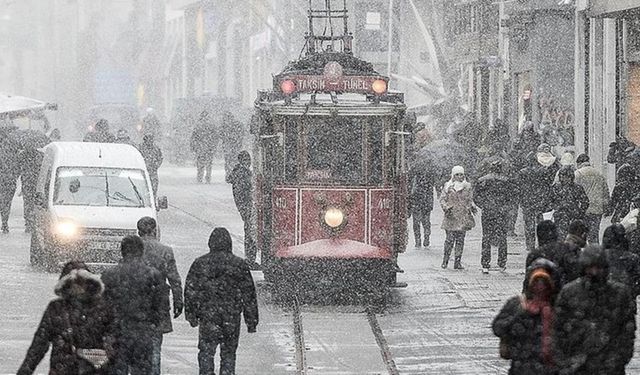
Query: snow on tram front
point(331, 179)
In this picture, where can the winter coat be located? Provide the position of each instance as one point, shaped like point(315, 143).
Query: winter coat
point(457, 206)
point(99, 137)
point(204, 139)
point(484, 167)
point(218, 288)
point(624, 267)
point(595, 186)
point(522, 330)
point(241, 179)
point(89, 318)
point(30, 163)
point(421, 183)
point(135, 290)
point(595, 327)
point(534, 188)
point(152, 156)
point(569, 201)
point(161, 257)
point(626, 188)
point(494, 194)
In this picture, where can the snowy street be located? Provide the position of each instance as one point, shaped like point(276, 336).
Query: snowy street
point(439, 324)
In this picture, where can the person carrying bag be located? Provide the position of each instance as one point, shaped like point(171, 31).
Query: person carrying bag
point(78, 325)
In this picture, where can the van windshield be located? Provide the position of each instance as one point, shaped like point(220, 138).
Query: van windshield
point(113, 187)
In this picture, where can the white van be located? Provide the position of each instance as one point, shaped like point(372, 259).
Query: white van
point(89, 196)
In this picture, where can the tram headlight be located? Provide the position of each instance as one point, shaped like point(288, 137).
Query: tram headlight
point(66, 229)
point(288, 87)
point(379, 86)
point(334, 217)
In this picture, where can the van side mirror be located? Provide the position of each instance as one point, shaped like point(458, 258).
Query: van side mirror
point(163, 202)
point(39, 200)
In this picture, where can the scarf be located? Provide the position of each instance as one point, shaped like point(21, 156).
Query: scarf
point(545, 310)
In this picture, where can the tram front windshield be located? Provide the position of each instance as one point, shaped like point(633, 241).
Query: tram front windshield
point(342, 151)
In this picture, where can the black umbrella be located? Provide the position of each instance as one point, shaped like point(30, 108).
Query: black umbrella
point(442, 155)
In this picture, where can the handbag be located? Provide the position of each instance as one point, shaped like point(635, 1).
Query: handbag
point(505, 352)
point(96, 357)
point(469, 222)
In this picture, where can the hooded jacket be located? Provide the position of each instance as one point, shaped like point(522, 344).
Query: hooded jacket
point(219, 286)
point(81, 309)
point(523, 325)
point(595, 321)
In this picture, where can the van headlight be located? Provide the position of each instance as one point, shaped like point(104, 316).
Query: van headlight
point(66, 229)
point(333, 217)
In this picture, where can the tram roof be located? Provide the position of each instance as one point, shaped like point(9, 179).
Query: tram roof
point(345, 105)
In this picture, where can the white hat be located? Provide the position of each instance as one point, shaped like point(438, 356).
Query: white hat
point(457, 170)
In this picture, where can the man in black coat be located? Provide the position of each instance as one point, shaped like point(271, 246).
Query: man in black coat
point(534, 186)
point(595, 321)
point(204, 140)
point(421, 183)
point(152, 155)
point(134, 289)
point(161, 257)
point(219, 288)
point(9, 172)
point(568, 200)
point(30, 163)
point(241, 180)
point(494, 194)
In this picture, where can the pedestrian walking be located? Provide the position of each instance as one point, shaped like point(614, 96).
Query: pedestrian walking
point(494, 194)
point(241, 180)
point(595, 320)
point(219, 288)
point(568, 200)
point(525, 323)
point(30, 162)
point(624, 266)
point(527, 142)
point(77, 320)
point(135, 291)
point(625, 189)
point(232, 133)
point(575, 241)
point(203, 143)
point(9, 173)
point(151, 124)
point(153, 158)
point(595, 186)
point(160, 257)
point(456, 201)
point(534, 184)
point(422, 178)
point(100, 133)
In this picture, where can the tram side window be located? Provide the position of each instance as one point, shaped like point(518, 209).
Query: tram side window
point(334, 151)
point(376, 151)
point(291, 151)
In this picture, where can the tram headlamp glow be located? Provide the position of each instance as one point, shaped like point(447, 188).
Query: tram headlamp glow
point(333, 217)
point(66, 229)
point(288, 87)
point(379, 86)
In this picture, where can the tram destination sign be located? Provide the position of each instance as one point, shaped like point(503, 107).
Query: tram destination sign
point(354, 84)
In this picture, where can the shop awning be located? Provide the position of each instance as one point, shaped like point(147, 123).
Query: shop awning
point(12, 106)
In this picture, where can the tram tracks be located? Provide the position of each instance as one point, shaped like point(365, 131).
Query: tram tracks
point(303, 366)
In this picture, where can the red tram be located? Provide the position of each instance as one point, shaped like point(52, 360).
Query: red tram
point(331, 181)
